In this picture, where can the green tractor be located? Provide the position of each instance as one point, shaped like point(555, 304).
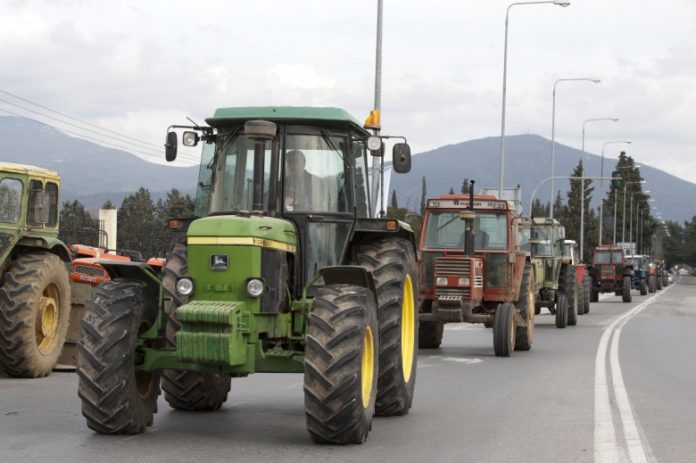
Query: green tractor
point(558, 291)
point(284, 271)
point(35, 287)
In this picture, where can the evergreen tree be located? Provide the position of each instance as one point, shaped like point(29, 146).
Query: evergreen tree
point(175, 205)
point(424, 196)
point(540, 209)
point(465, 186)
point(394, 201)
point(451, 191)
point(108, 205)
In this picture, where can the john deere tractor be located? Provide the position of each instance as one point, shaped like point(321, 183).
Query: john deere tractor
point(35, 288)
point(285, 271)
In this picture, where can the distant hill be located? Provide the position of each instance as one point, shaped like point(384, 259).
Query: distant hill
point(92, 173)
point(527, 162)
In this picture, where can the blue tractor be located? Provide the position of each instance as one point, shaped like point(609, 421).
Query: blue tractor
point(639, 273)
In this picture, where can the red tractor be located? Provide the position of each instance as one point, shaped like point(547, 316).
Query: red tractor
point(472, 270)
point(571, 254)
point(610, 273)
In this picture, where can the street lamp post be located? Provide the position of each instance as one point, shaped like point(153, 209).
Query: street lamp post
point(502, 117)
point(601, 190)
point(582, 182)
point(630, 232)
point(553, 133)
point(623, 221)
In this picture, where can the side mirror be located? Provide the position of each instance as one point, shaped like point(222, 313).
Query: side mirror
point(170, 146)
point(190, 138)
point(401, 158)
point(41, 207)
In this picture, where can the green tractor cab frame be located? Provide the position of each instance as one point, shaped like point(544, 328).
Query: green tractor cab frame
point(285, 271)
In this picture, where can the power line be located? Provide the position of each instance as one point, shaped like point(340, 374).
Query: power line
point(78, 120)
point(100, 142)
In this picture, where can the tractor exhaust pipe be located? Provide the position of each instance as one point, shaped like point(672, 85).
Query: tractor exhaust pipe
point(468, 216)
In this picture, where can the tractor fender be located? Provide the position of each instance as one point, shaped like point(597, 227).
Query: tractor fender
point(135, 271)
point(349, 275)
point(53, 245)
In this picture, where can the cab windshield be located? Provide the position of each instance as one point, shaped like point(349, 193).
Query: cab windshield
point(608, 257)
point(446, 230)
point(542, 241)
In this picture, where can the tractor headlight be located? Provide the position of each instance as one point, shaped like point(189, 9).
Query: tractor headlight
point(254, 287)
point(184, 286)
point(463, 281)
point(441, 281)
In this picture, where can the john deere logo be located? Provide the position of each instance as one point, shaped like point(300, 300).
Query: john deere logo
point(219, 262)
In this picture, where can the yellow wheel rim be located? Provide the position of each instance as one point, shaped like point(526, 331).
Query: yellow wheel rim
point(367, 369)
point(408, 321)
point(47, 319)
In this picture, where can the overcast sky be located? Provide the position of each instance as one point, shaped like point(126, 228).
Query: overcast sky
point(138, 66)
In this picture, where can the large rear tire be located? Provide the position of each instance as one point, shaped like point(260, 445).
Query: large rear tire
point(116, 397)
point(392, 263)
point(429, 332)
point(587, 283)
point(187, 390)
point(581, 296)
point(561, 311)
point(34, 314)
point(567, 285)
point(524, 335)
point(341, 365)
point(651, 284)
point(504, 331)
point(658, 283)
point(626, 289)
point(643, 287)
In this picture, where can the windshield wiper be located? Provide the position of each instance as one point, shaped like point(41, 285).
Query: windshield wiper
point(332, 145)
point(447, 223)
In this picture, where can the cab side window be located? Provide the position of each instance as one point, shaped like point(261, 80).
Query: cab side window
point(52, 191)
point(10, 200)
point(33, 213)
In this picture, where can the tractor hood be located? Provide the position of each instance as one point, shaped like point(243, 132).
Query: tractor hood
point(252, 230)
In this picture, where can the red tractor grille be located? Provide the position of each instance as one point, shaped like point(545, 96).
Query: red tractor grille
point(453, 269)
point(607, 272)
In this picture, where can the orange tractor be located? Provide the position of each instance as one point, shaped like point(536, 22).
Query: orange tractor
point(472, 270)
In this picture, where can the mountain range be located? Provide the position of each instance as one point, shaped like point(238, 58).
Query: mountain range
point(92, 173)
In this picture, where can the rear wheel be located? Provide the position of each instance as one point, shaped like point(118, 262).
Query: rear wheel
point(341, 365)
point(504, 330)
point(187, 390)
point(587, 283)
point(429, 332)
point(561, 311)
point(116, 397)
point(643, 287)
point(581, 297)
point(658, 283)
point(651, 284)
point(626, 293)
point(567, 284)
point(34, 314)
point(524, 335)
point(393, 266)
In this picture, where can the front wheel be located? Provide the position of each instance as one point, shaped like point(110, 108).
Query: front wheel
point(561, 311)
point(626, 290)
point(643, 287)
point(117, 398)
point(567, 285)
point(504, 330)
point(392, 263)
point(34, 314)
point(524, 335)
point(341, 365)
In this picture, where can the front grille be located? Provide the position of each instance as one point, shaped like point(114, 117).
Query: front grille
point(453, 267)
point(453, 292)
point(607, 271)
point(88, 270)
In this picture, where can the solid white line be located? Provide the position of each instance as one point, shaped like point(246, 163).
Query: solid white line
point(606, 447)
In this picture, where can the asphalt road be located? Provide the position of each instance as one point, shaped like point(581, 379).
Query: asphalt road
point(620, 386)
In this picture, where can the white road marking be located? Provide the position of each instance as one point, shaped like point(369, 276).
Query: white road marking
point(464, 326)
point(605, 439)
point(468, 361)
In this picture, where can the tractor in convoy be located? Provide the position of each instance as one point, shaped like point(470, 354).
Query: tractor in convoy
point(652, 275)
point(286, 270)
point(557, 289)
point(639, 273)
point(472, 270)
point(34, 288)
point(610, 272)
point(582, 277)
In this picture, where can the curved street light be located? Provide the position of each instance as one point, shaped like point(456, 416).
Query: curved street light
point(502, 117)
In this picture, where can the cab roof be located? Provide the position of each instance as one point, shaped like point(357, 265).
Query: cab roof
point(26, 169)
point(284, 114)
